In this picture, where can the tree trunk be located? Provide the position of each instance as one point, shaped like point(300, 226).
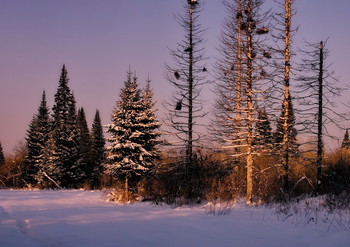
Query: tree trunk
point(239, 68)
point(189, 151)
point(249, 106)
point(286, 127)
point(126, 189)
point(320, 120)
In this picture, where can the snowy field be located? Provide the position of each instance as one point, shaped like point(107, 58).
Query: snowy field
point(83, 218)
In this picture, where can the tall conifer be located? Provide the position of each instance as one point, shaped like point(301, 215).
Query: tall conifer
point(150, 124)
point(66, 136)
point(130, 138)
point(98, 155)
point(292, 132)
point(85, 143)
point(263, 135)
point(37, 139)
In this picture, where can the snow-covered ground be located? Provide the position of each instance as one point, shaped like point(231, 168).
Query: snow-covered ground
point(83, 218)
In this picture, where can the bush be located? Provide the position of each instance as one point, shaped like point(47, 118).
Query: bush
point(336, 177)
point(13, 172)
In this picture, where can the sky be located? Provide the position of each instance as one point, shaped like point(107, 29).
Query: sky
point(99, 40)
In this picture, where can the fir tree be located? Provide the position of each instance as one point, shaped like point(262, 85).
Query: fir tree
point(150, 124)
point(2, 156)
point(346, 141)
point(85, 142)
point(130, 152)
point(34, 149)
point(97, 150)
point(38, 136)
point(263, 136)
point(48, 170)
point(66, 136)
point(292, 132)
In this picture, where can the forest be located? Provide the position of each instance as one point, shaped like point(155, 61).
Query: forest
point(264, 141)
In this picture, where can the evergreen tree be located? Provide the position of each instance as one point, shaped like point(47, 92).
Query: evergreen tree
point(68, 158)
point(48, 170)
point(346, 141)
point(85, 142)
point(130, 153)
point(150, 124)
point(263, 135)
point(292, 132)
point(2, 156)
point(38, 136)
point(97, 150)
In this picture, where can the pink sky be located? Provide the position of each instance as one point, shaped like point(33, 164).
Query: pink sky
point(98, 40)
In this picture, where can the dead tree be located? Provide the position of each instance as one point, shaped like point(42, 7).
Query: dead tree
point(227, 111)
point(318, 88)
point(241, 75)
point(283, 67)
point(187, 74)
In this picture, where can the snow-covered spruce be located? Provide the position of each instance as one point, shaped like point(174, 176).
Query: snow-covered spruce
point(133, 133)
point(38, 142)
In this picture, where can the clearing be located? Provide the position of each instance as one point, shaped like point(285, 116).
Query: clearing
point(83, 218)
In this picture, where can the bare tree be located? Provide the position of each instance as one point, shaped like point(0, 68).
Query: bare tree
point(287, 143)
point(186, 74)
point(318, 88)
point(228, 87)
point(242, 74)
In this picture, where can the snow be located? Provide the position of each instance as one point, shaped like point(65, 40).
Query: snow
point(84, 218)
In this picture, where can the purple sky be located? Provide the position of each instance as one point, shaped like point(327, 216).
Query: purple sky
point(98, 40)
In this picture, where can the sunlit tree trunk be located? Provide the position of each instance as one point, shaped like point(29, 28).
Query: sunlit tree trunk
point(286, 127)
point(126, 189)
point(239, 63)
point(249, 105)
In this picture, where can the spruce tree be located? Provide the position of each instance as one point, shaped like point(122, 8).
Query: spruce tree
point(98, 155)
point(68, 158)
point(346, 141)
point(2, 156)
point(292, 131)
point(150, 125)
point(85, 142)
point(48, 170)
point(37, 139)
point(130, 155)
point(263, 135)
